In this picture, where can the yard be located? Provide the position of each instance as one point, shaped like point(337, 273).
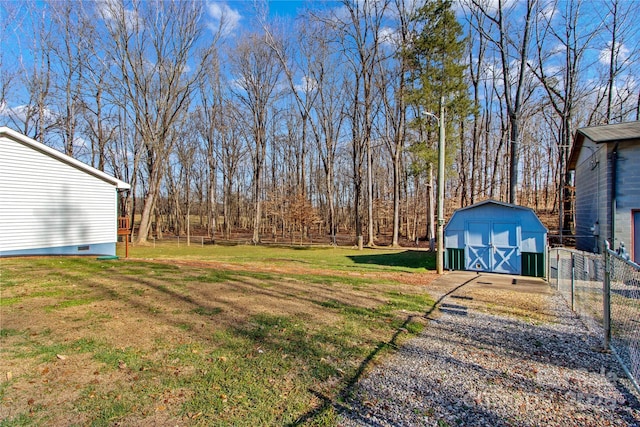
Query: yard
point(200, 335)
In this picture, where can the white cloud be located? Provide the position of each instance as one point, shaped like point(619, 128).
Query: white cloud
point(342, 14)
point(389, 36)
point(80, 143)
point(238, 84)
point(107, 9)
point(553, 72)
point(621, 52)
point(490, 6)
point(306, 85)
point(20, 113)
point(548, 11)
point(625, 87)
point(492, 71)
point(110, 11)
point(339, 14)
point(223, 18)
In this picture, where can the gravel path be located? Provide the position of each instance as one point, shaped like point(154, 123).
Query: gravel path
point(472, 367)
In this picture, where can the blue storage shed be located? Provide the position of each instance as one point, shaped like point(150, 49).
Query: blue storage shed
point(496, 237)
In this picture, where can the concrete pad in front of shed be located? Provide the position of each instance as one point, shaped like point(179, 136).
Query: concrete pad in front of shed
point(499, 294)
point(505, 282)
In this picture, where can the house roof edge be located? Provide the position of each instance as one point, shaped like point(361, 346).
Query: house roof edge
point(38, 146)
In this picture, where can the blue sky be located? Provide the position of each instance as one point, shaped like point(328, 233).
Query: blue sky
point(240, 13)
point(240, 16)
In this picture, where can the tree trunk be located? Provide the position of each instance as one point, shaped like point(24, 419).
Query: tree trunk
point(431, 206)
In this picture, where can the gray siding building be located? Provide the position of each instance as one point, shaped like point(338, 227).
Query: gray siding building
point(606, 163)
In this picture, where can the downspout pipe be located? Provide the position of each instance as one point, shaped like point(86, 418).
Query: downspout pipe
point(614, 179)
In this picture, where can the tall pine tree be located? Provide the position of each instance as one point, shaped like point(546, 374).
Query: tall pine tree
point(437, 59)
point(436, 53)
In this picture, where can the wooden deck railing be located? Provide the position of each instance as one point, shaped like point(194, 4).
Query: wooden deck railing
point(124, 229)
point(123, 226)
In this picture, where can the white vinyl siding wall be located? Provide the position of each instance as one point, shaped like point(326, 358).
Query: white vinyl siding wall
point(48, 203)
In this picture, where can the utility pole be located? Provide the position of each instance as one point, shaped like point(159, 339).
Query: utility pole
point(441, 152)
point(441, 159)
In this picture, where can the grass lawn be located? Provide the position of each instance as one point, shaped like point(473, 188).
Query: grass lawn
point(200, 335)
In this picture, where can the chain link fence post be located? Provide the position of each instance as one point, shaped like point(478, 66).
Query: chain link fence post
point(558, 270)
point(604, 292)
point(573, 281)
point(606, 298)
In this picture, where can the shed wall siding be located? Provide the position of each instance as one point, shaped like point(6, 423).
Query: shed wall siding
point(496, 237)
point(489, 212)
point(533, 242)
point(533, 234)
point(47, 203)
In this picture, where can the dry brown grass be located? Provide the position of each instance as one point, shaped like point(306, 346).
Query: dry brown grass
point(190, 341)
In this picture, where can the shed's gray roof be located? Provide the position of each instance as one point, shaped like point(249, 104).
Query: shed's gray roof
point(494, 202)
point(25, 140)
point(608, 133)
point(628, 131)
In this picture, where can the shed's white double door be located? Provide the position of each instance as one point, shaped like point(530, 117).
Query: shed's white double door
point(492, 246)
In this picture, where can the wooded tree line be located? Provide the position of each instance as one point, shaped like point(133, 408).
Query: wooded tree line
point(316, 127)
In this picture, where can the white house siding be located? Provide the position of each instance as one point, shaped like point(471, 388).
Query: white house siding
point(48, 204)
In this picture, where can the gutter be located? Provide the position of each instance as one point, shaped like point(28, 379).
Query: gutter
point(614, 178)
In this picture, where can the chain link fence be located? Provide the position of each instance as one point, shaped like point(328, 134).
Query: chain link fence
point(604, 291)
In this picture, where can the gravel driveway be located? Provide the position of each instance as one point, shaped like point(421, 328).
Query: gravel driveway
point(496, 353)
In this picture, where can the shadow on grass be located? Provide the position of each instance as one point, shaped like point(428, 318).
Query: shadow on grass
point(339, 403)
point(409, 259)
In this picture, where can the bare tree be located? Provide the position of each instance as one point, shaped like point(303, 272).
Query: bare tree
point(620, 54)
point(185, 151)
point(125, 76)
point(478, 46)
point(231, 153)
point(72, 51)
point(318, 97)
point(209, 125)
point(151, 45)
point(359, 38)
point(34, 117)
point(8, 69)
point(392, 82)
point(258, 71)
point(100, 122)
point(328, 81)
point(563, 88)
point(294, 65)
point(513, 48)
